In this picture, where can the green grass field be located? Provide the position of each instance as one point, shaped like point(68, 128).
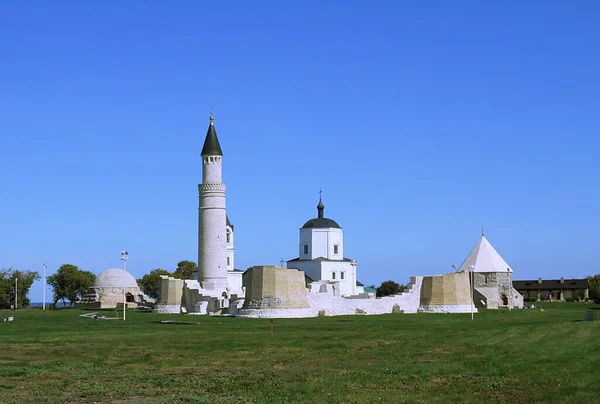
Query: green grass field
point(519, 356)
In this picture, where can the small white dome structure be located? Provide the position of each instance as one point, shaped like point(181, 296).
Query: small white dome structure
point(115, 277)
point(107, 291)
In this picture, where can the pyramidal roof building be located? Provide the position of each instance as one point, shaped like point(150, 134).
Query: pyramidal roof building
point(491, 277)
point(485, 258)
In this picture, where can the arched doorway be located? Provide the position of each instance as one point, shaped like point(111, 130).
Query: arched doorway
point(504, 299)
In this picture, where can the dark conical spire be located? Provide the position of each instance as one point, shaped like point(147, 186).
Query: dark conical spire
point(320, 206)
point(211, 143)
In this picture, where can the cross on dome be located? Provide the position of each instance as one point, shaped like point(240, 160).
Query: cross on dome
point(320, 206)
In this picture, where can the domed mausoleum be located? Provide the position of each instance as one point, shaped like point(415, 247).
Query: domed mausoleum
point(107, 291)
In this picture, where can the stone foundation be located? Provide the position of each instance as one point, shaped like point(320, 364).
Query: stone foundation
point(274, 288)
point(447, 293)
point(171, 294)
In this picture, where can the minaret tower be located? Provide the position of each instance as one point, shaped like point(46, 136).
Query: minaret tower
point(212, 216)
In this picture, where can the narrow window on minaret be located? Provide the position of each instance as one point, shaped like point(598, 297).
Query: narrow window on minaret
point(305, 248)
point(333, 275)
point(335, 249)
point(342, 275)
point(228, 237)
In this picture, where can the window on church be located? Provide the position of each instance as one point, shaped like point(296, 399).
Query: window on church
point(336, 249)
point(228, 261)
point(305, 248)
point(333, 275)
point(342, 274)
point(228, 236)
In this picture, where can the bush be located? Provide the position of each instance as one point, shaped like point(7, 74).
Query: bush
point(388, 288)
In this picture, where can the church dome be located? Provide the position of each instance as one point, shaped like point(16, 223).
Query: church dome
point(115, 277)
point(320, 222)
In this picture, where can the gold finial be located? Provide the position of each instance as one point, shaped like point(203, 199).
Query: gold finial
point(212, 118)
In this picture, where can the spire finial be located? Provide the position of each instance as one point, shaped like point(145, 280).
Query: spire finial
point(320, 206)
point(482, 234)
point(212, 118)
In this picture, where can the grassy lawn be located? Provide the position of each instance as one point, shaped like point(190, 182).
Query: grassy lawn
point(522, 356)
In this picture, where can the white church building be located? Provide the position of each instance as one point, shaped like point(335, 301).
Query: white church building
point(321, 254)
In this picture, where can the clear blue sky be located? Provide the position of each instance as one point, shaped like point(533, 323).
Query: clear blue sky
point(421, 121)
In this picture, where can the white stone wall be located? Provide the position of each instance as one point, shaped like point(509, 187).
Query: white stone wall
point(311, 268)
point(491, 286)
point(348, 284)
point(230, 248)
point(212, 169)
point(323, 270)
point(407, 302)
point(275, 313)
point(451, 308)
point(234, 279)
point(110, 297)
point(305, 240)
point(321, 242)
point(323, 298)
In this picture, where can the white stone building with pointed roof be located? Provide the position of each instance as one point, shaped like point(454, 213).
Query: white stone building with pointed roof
point(217, 282)
point(492, 277)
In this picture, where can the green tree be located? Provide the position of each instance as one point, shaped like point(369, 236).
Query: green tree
point(184, 269)
point(594, 288)
point(70, 283)
point(388, 288)
point(7, 287)
point(150, 283)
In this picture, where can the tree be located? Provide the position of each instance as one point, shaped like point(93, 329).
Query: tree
point(184, 269)
point(594, 288)
point(150, 283)
point(388, 288)
point(70, 283)
point(7, 287)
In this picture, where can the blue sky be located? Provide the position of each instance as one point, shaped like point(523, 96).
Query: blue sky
point(421, 121)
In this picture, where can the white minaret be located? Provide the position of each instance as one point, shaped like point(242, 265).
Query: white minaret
point(212, 216)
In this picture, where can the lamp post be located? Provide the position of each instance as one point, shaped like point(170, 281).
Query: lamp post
point(44, 285)
point(124, 256)
point(509, 295)
point(472, 273)
point(16, 292)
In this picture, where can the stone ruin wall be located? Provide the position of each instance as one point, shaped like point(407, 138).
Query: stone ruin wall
point(490, 286)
